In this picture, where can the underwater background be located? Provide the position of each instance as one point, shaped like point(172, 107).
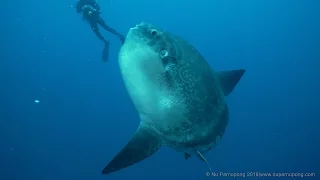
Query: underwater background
point(84, 115)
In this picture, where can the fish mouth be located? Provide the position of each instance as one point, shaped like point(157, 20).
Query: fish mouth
point(142, 25)
point(138, 31)
point(134, 28)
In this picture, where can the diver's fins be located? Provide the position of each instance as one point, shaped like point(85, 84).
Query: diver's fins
point(204, 159)
point(122, 39)
point(105, 52)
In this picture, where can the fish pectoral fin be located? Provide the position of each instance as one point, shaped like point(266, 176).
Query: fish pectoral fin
point(201, 157)
point(186, 156)
point(142, 145)
point(229, 79)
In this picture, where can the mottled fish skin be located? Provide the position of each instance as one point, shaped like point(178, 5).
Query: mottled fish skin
point(179, 98)
point(187, 107)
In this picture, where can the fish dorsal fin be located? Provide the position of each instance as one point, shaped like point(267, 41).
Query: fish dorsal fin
point(229, 79)
point(142, 145)
point(204, 159)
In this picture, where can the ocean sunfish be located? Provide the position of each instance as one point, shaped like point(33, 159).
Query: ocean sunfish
point(179, 97)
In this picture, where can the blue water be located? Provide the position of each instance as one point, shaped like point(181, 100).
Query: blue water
point(85, 115)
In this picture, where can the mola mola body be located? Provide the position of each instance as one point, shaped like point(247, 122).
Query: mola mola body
point(179, 97)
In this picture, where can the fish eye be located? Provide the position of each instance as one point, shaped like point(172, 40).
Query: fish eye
point(163, 53)
point(154, 32)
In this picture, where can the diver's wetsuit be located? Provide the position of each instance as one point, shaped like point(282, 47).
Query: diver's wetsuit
point(91, 12)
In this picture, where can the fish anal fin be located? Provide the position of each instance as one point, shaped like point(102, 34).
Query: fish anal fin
point(142, 145)
point(229, 79)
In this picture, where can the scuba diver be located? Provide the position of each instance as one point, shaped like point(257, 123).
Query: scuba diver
point(91, 12)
